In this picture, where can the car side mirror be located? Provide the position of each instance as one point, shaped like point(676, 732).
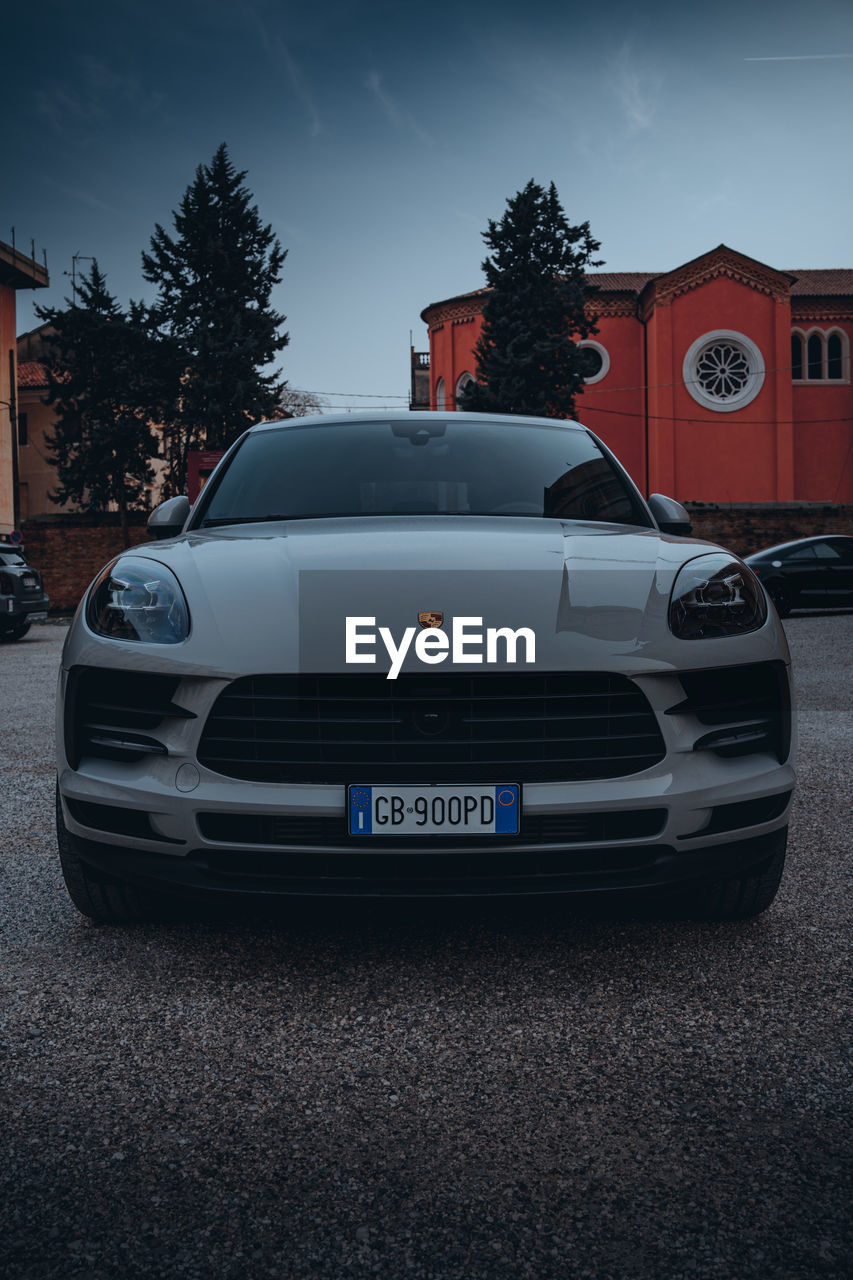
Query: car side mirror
point(670, 515)
point(167, 520)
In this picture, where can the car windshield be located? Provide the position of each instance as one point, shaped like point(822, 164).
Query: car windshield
point(413, 467)
point(11, 558)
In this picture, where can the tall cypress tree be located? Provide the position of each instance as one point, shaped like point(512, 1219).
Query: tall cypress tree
point(99, 374)
point(527, 358)
point(214, 281)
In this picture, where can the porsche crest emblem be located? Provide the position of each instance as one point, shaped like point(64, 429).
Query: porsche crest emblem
point(430, 619)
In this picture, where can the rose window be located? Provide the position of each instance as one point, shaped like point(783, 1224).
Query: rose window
point(723, 370)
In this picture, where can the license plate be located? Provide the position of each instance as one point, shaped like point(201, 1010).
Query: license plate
point(475, 810)
point(28, 581)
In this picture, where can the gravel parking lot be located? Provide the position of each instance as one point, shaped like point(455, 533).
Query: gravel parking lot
point(458, 1094)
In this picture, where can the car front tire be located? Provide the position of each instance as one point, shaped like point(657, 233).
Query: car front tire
point(102, 898)
point(745, 896)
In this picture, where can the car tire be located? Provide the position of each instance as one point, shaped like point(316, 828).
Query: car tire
point(781, 598)
point(745, 896)
point(15, 633)
point(102, 898)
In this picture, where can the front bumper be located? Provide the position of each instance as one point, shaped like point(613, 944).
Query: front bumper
point(216, 872)
point(167, 821)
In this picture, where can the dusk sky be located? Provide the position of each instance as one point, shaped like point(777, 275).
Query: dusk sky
point(379, 138)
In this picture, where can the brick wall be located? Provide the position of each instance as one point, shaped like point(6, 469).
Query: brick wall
point(69, 550)
point(745, 527)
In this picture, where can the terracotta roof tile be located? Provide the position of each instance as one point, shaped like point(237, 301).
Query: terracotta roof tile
point(621, 281)
point(832, 282)
point(32, 374)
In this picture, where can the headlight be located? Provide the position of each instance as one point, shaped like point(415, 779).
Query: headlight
point(136, 599)
point(716, 595)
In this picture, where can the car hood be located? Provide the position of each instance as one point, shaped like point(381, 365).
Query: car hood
point(276, 597)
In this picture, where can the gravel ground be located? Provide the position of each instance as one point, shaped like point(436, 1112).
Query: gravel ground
point(477, 1093)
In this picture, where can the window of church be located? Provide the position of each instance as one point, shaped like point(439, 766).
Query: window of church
point(834, 358)
point(594, 361)
point(440, 394)
point(827, 356)
point(464, 380)
point(723, 370)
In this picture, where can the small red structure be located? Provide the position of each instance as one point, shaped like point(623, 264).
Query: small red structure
point(200, 466)
point(724, 380)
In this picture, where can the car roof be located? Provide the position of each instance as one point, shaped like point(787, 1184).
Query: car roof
point(799, 542)
point(419, 415)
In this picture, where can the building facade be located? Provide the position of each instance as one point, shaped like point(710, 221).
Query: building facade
point(17, 271)
point(724, 380)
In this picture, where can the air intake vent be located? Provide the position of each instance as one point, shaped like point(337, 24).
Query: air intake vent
point(548, 828)
point(745, 710)
point(517, 728)
point(115, 715)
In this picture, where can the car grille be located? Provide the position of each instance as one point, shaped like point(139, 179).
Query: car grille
point(116, 715)
point(746, 710)
point(513, 728)
point(547, 828)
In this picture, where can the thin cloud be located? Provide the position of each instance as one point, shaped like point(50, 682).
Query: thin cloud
point(84, 197)
point(636, 91)
point(92, 97)
point(399, 118)
point(281, 56)
point(801, 57)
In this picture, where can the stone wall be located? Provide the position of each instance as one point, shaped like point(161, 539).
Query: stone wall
point(69, 550)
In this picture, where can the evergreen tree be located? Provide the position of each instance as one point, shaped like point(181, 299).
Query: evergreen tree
point(214, 280)
point(527, 360)
point(99, 372)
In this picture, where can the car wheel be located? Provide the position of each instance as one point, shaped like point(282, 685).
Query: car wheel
point(745, 896)
point(781, 597)
point(102, 898)
point(15, 633)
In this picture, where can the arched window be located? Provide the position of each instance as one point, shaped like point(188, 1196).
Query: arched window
point(464, 380)
point(834, 357)
point(440, 394)
point(827, 355)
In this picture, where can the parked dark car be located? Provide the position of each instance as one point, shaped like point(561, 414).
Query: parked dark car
point(22, 597)
point(811, 573)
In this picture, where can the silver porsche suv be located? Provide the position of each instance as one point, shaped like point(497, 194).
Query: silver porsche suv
point(424, 655)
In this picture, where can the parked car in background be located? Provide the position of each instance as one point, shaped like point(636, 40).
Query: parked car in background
point(810, 573)
point(22, 598)
point(424, 654)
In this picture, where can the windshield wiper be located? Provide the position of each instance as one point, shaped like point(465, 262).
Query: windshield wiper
point(222, 520)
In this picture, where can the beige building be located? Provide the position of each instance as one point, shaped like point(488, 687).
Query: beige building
point(37, 476)
point(17, 271)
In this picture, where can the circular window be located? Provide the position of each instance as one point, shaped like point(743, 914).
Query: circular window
point(723, 370)
point(593, 360)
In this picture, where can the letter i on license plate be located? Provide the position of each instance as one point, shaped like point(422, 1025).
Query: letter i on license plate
point(490, 809)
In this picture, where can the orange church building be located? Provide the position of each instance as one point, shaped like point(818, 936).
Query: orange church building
point(724, 380)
